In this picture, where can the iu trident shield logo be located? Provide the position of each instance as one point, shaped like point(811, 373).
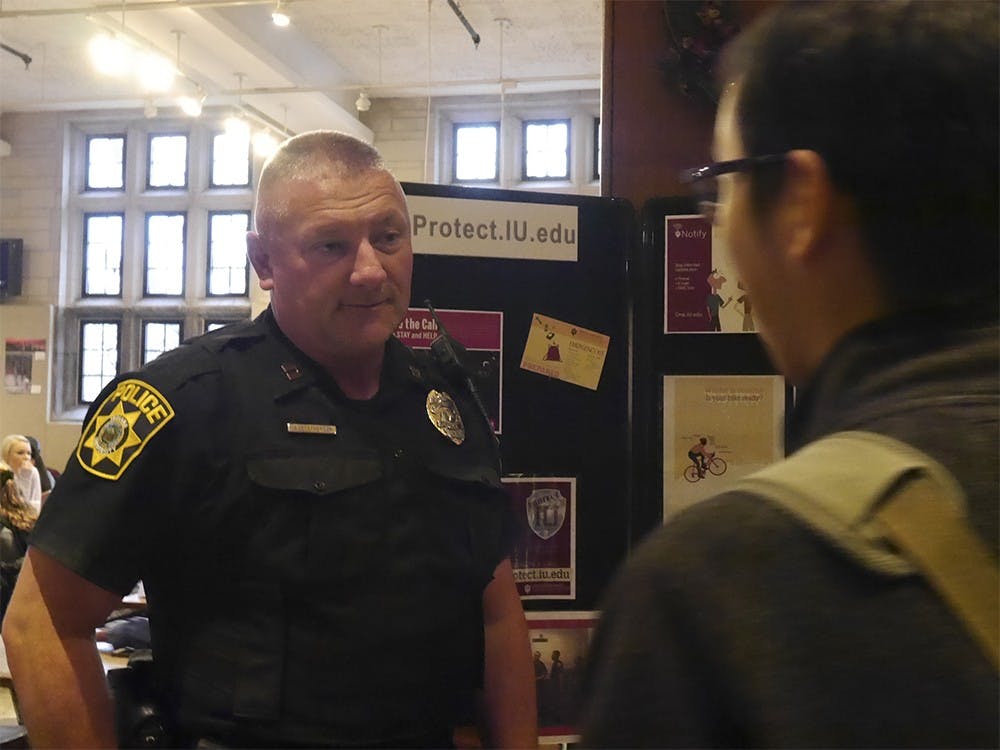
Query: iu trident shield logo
point(546, 511)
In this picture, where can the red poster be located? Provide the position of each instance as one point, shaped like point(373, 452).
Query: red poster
point(481, 333)
point(544, 556)
point(560, 642)
point(687, 268)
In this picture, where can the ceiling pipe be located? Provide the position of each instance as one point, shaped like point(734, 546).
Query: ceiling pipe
point(25, 57)
point(507, 83)
point(465, 22)
point(132, 7)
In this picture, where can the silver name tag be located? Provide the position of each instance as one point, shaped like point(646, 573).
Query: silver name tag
point(312, 429)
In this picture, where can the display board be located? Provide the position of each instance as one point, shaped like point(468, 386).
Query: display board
point(701, 374)
point(540, 281)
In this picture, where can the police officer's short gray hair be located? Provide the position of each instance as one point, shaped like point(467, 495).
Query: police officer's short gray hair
point(309, 155)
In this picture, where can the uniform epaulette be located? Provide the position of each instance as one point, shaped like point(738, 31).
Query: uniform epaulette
point(172, 369)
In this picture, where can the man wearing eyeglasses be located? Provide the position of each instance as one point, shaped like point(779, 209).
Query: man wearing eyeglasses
point(857, 148)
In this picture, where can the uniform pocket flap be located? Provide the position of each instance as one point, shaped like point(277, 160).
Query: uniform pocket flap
point(317, 475)
point(479, 473)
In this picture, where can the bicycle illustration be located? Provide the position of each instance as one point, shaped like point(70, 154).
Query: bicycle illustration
point(716, 465)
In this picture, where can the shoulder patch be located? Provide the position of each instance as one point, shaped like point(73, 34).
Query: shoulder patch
point(121, 427)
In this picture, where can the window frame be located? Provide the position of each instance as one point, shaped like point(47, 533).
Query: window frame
point(580, 107)
point(83, 253)
point(595, 173)
point(208, 254)
point(149, 160)
point(145, 258)
point(133, 306)
point(495, 124)
point(118, 350)
point(86, 163)
point(568, 122)
point(142, 334)
point(212, 185)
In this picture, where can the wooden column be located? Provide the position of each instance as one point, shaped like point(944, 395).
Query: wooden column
point(650, 130)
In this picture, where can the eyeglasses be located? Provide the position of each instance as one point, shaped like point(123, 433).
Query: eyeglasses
point(706, 187)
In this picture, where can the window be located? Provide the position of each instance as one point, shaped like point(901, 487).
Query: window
point(231, 159)
point(476, 157)
point(102, 254)
point(159, 337)
point(167, 161)
point(164, 254)
point(106, 163)
point(227, 252)
point(546, 149)
point(156, 217)
point(545, 142)
point(99, 348)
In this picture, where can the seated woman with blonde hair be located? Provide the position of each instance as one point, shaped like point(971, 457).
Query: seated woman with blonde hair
point(17, 519)
point(15, 451)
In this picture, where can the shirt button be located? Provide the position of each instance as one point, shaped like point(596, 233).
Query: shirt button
point(398, 453)
point(319, 486)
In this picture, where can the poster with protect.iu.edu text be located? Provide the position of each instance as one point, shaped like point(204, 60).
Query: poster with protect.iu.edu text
point(717, 429)
point(701, 292)
point(544, 555)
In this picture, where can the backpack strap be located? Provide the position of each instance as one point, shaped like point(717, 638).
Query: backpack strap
point(950, 555)
point(895, 510)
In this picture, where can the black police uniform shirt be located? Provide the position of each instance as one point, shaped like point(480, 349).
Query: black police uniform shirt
point(314, 566)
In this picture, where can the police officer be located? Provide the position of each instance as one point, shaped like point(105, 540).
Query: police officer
point(314, 509)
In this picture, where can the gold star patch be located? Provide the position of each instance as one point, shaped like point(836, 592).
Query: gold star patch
point(121, 427)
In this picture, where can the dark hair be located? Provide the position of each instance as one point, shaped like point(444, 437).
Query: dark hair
point(900, 98)
point(36, 456)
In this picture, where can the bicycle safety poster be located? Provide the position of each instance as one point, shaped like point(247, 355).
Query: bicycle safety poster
point(717, 429)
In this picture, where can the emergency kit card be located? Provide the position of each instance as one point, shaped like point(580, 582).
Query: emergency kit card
point(565, 351)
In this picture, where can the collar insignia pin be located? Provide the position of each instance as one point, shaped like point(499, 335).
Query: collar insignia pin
point(292, 371)
point(445, 416)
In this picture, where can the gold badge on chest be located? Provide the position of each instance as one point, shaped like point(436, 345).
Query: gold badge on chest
point(444, 415)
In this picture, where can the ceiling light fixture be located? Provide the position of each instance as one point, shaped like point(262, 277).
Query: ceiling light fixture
point(237, 126)
point(279, 16)
point(363, 103)
point(192, 105)
point(264, 143)
point(110, 54)
point(155, 72)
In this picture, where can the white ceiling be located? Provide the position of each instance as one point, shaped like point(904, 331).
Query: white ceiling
point(307, 75)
